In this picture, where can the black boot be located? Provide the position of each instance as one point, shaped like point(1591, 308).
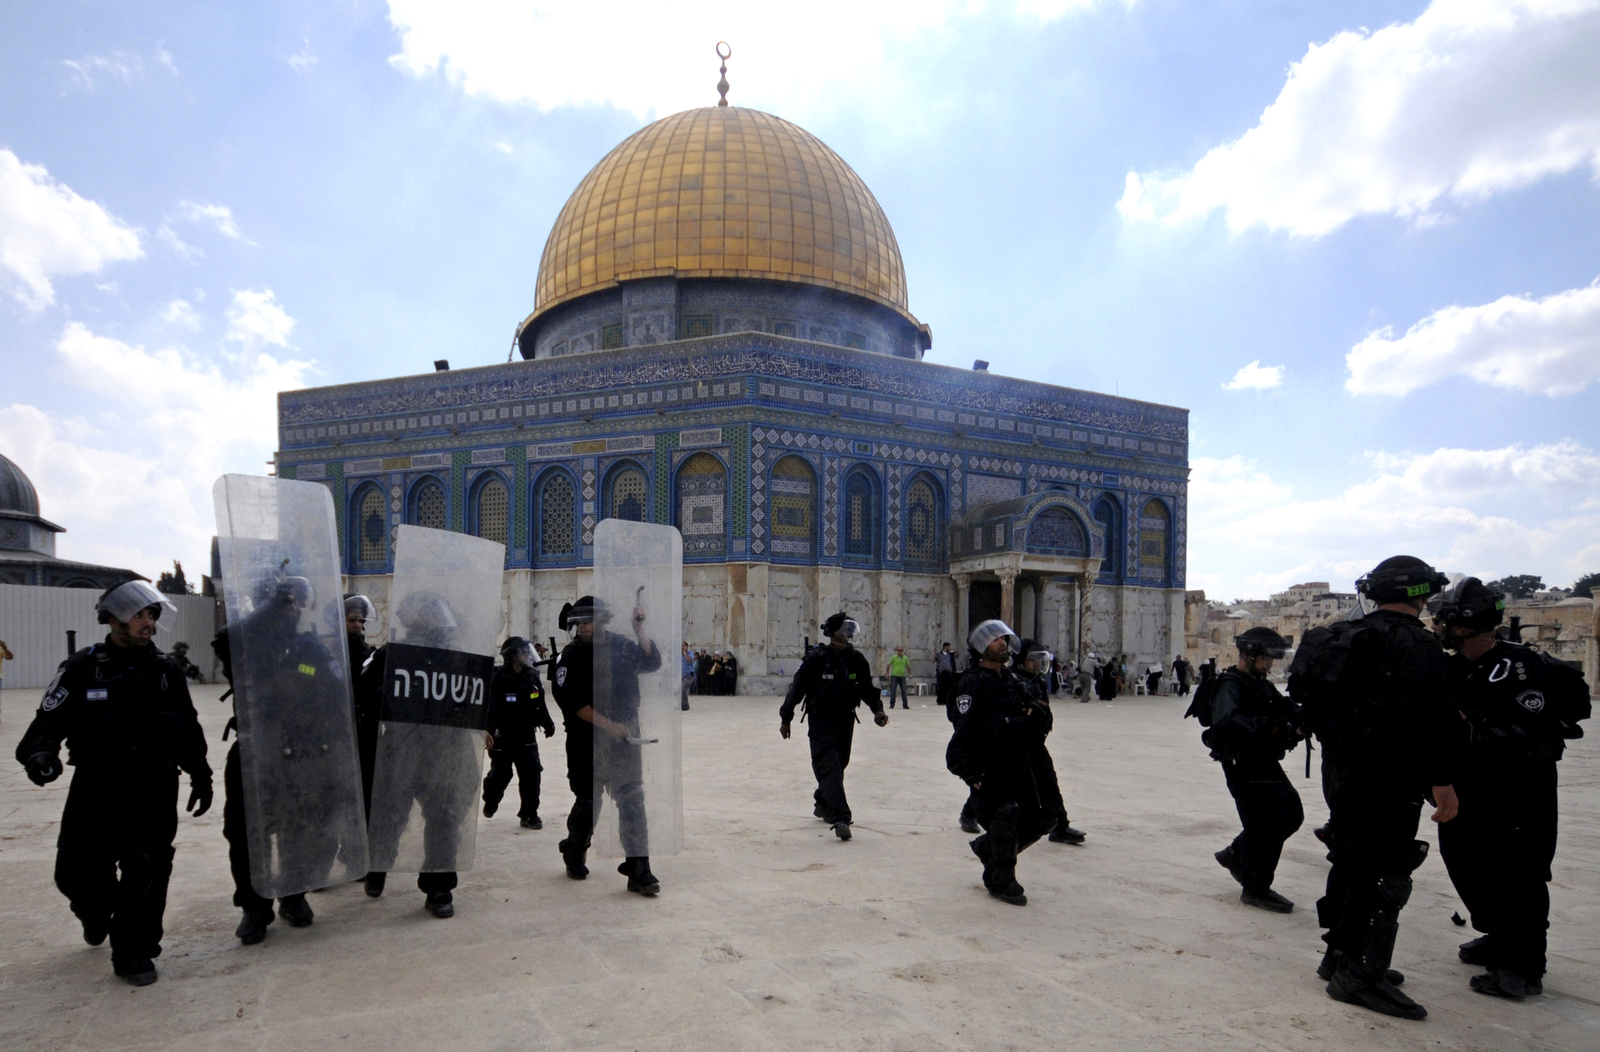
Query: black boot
point(1063, 833)
point(574, 860)
point(640, 879)
point(295, 910)
point(441, 904)
point(1362, 979)
point(253, 928)
point(1330, 961)
point(1479, 951)
point(374, 883)
point(1378, 995)
point(1266, 899)
point(532, 823)
point(1228, 859)
point(1497, 982)
point(137, 971)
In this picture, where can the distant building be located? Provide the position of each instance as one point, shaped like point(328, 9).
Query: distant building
point(28, 542)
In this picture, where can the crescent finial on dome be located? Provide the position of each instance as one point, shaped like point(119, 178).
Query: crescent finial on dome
point(724, 52)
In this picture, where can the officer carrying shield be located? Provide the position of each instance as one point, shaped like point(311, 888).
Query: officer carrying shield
point(1521, 706)
point(1375, 691)
point(298, 726)
point(998, 740)
point(831, 682)
point(366, 686)
point(517, 712)
point(608, 761)
point(1252, 727)
point(124, 711)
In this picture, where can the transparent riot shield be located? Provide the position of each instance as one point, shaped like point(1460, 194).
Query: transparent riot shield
point(291, 684)
point(444, 620)
point(638, 745)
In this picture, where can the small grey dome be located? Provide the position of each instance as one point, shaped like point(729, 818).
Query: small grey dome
point(16, 490)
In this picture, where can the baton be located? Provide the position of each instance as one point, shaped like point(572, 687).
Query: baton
point(635, 740)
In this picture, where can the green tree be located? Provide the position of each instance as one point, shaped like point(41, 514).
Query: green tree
point(1585, 585)
point(174, 583)
point(1517, 586)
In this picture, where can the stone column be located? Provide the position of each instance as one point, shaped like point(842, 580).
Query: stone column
point(827, 600)
point(963, 595)
point(1038, 608)
point(1008, 595)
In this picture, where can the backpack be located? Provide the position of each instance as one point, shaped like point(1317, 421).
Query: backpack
point(1319, 665)
point(1204, 694)
point(1566, 692)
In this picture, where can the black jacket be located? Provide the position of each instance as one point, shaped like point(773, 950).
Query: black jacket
point(998, 726)
point(517, 709)
point(1509, 705)
point(831, 682)
point(121, 708)
point(574, 685)
point(1250, 719)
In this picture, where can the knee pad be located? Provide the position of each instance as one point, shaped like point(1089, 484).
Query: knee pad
point(1394, 891)
point(1003, 823)
point(1419, 854)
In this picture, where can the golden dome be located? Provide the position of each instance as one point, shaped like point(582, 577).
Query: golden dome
point(722, 192)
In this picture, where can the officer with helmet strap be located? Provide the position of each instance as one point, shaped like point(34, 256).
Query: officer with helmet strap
point(1251, 727)
point(832, 681)
point(1390, 739)
point(1521, 707)
point(123, 709)
point(517, 711)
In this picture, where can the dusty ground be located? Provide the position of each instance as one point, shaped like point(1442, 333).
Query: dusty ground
point(771, 934)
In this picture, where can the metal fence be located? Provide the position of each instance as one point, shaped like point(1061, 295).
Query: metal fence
point(34, 623)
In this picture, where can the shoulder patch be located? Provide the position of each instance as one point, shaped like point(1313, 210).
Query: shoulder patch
point(963, 703)
point(561, 676)
point(53, 698)
point(1532, 700)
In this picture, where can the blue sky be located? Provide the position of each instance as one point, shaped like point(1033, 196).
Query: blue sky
point(1359, 241)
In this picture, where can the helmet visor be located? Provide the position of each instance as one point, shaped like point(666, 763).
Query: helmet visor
point(128, 599)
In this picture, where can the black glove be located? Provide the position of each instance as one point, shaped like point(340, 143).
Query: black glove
point(43, 768)
point(199, 798)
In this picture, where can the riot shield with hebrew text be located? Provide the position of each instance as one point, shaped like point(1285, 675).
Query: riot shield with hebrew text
point(444, 619)
point(298, 762)
point(638, 738)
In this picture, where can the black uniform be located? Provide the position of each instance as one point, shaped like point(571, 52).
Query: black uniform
point(302, 734)
point(1499, 849)
point(517, 712)
point(997, 743)
point(1044, 767)
point(1252, 727)
point(831, 683)
point(1394, 733)
point(129, 725)
point(366, 698)
point(619, 770)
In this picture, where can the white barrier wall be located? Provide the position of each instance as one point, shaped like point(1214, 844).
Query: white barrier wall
point(34, 623)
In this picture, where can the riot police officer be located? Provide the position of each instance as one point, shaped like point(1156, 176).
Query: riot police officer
point(995, 749)
point(1375, 691)
point(619, 768)
point(517, 711)
point(1521, 707)
point(123, 709)
point(366, 686)
point(301, 731)
point(1251, 727)
point(831, 682)
point(1034, 672)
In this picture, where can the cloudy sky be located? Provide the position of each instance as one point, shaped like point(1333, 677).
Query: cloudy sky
point(1360, 241)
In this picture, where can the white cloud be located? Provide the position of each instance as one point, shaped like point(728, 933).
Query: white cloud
point(255, 321)
point(1549, 346)
point(48, 231)
point(1487, 512)
point(303, 59)
point(169, 237)
point(132, 481)
point(90, 71)
point(1474, 98)
point(1255, 377)
point(219, 216)
point(655, 56)
point(180, 312)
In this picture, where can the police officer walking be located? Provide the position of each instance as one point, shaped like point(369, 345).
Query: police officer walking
point(1521, 706)
point(1034, 675)
point(831, 682)
point(366, 686)
point(998, 738)
point(517, 712)
point(123, 709)
point(1375, 692)
point(1250, 728)
point(616, 717)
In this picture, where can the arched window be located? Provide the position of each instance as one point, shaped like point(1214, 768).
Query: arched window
point(1056, 531)
point(922, 523)
point(793, 489)
point(1155, 537)
point(555, 515)
point(702, 502)
point(1108, 514)
point(427, 505)
point(860, 515)
point(628, 495)
point(491, 508)
point(371, 529)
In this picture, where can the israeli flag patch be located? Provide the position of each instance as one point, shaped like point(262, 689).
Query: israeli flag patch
point(511, 698)
point(964, 703)
point(96, 694)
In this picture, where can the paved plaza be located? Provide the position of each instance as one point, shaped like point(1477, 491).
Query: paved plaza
point(771, 934)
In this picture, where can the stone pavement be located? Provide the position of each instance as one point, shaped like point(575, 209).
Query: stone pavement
point(772, 934)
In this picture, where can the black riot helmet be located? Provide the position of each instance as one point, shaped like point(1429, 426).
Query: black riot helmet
point(1401, 579)
point(1261, 641)
point(1469, 604)
point(585, 608)
point(840, 622)
point(1033, 650)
